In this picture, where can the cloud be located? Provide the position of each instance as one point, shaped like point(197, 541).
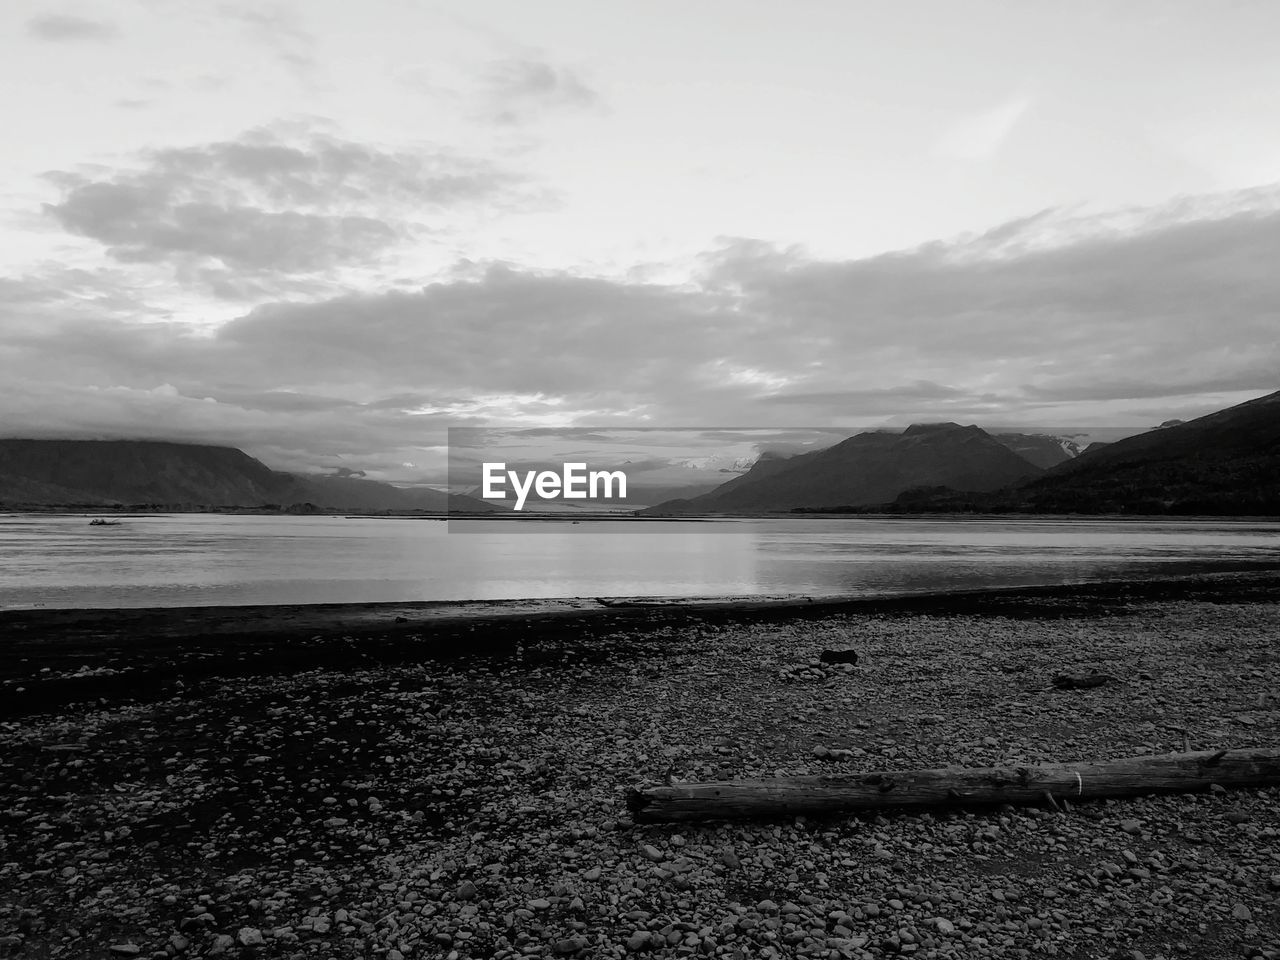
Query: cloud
point(61, 27)
point(279, 29)
point(1040, 312)
point(1052, 319)
point(505, 332)
point(981, 135)
point(883, 399)
point(228, 215)
point(520, 90)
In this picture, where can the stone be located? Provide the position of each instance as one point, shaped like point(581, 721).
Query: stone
point(1241, 912)
point(539, 903)
point(638, 941)
point(252, 937)
point(125, 949)
point(466, 891)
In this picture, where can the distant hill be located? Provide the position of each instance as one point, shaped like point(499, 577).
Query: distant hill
point(1224, 463)
point(868, 468)
point(148, 472)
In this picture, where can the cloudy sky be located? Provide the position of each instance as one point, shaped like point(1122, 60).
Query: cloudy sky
point(323, 231)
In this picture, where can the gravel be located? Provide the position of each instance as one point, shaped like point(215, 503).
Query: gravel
point(473, 809)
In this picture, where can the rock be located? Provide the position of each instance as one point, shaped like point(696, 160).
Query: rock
point(1131, 826)
point(767, 906)
point(466, 891)
point(539, 904)
point(569, 945)
point(125, 949)
point(730, 859)
point(1241, 912)
point(652, 853)
point(252, 937)
point(944, 926)
point(638, 941)
point(1236, 817)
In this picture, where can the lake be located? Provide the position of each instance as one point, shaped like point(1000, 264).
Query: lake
point(209, 559)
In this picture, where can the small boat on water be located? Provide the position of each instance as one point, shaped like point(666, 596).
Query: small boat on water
point(100, 522)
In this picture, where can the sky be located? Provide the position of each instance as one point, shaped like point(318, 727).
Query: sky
point(324, 231)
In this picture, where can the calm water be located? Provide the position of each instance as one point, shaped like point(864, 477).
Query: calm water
point(199, 559)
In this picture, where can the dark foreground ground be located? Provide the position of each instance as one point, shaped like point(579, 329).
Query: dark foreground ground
point(168, 788)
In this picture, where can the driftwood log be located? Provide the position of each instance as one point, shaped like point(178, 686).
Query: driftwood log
point(954, 787)
point(1081, 681)
point(839, 656)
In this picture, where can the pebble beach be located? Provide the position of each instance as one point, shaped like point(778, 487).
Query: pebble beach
point(432, 806)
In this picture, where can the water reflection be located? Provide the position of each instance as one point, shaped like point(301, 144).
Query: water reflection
point(60, 561)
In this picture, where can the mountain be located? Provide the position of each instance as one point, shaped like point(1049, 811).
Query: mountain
point(1043, 450)
point(1224, 463)
point(767, 465)
point(353, 493)
point(137, 472)
point(868, 468)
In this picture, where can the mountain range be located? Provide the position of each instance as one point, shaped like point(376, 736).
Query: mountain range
point(101, 473)
point(867, 468)
point(1225, 463)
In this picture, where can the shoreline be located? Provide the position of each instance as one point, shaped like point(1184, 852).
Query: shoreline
point(50, 659)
